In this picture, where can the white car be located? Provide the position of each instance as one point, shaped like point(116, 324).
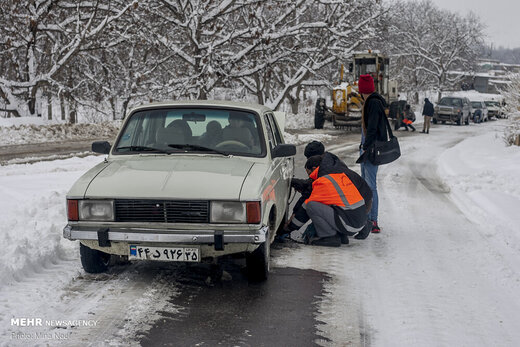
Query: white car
point(479, 105)
point(494, 109)
point(185, 181)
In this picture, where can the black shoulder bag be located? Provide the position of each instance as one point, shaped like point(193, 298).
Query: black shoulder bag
point(384, 152)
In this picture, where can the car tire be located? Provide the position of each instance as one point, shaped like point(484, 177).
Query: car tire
point(459, 120)
point(434, 121)
point(92, 260)
point(257, 262)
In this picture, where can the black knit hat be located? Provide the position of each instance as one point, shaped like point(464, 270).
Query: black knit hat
point(314, 148)
point(313, 161)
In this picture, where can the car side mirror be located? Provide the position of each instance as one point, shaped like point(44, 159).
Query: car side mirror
point(283, 150)
point(102, 147)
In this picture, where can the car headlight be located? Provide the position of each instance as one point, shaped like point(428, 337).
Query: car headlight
point(235, 212)
point(96, 210)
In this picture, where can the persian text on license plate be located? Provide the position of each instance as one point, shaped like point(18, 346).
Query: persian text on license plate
point(164, 253)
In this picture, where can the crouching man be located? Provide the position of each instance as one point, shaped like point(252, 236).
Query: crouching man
point(338, 205)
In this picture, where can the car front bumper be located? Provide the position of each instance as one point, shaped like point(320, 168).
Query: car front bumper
point(115, 240)
point(165, 236)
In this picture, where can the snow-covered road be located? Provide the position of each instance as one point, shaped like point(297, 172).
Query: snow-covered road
point(443, 271)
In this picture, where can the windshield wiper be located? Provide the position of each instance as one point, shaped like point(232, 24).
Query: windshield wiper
point(143, 149)
point(197, 147)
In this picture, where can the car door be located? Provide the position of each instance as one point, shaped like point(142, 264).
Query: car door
point(281, 168)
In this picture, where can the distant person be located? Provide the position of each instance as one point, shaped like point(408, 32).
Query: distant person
point(477, 116)
point(338, 205)
point(427, 114)
point(373, 128)
point(401, 105)
point(409, 118)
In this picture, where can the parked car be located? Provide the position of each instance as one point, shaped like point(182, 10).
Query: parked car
point(452, 109)
point(185, 181)
point(494, 109)
point(479, 105)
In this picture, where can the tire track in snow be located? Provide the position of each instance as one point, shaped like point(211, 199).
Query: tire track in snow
point(123, 302)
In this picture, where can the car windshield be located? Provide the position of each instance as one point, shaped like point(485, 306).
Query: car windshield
point(450, 102)
point(476, 104)
point(175, 130)
point(492, 103)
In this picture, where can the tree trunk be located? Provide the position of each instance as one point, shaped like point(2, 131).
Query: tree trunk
point(49, 107)
point(72, 117)
point(124, 108)
point(62, 107)
point(295, 104)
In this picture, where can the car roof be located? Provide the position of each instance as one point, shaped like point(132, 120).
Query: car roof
point(260, 109)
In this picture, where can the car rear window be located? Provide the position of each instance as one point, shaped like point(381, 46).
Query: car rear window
point(450, 102)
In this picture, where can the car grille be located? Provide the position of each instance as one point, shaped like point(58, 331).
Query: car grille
point(162, 211)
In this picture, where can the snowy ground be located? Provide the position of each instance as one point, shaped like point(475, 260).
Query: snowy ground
point(443, 272)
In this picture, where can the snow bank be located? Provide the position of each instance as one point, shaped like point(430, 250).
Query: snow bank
point(38, 133)
point(482, 173)
point(299, 121)
point(33, 210)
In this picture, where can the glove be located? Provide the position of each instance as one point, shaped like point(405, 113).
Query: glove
point(362, 158)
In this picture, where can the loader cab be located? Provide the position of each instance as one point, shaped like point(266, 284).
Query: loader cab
point(376, 65)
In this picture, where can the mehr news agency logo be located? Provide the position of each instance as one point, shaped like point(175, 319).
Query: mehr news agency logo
point(53, 323)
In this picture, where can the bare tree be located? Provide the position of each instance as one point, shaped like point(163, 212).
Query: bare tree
point(430, 43)
point(40, 38)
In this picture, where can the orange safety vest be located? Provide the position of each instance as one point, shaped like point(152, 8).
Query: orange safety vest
point(335, 189)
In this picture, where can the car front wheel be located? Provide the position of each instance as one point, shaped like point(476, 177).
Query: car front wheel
point(257, 262)
point(93, 261)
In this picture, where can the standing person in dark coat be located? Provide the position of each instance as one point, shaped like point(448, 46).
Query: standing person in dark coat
point(428, 114)
point(373, 128)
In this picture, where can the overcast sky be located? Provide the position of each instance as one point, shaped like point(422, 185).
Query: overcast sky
point(502, 18)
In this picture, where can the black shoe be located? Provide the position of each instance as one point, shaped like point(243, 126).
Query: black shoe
point(344, 239)
point(423, 131)
point(363, 234)
point(331, 241)
point(428, 132)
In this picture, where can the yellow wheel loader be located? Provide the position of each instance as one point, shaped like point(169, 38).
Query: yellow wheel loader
point(346, 101)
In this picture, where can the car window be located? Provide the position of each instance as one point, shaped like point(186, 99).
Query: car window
point(476, 104)
point(492, 103)
point(270, 134)
point(450, 102)
point(185, 130)
point(274, 127)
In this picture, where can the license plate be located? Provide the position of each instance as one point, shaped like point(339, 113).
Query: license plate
point(164, 253)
